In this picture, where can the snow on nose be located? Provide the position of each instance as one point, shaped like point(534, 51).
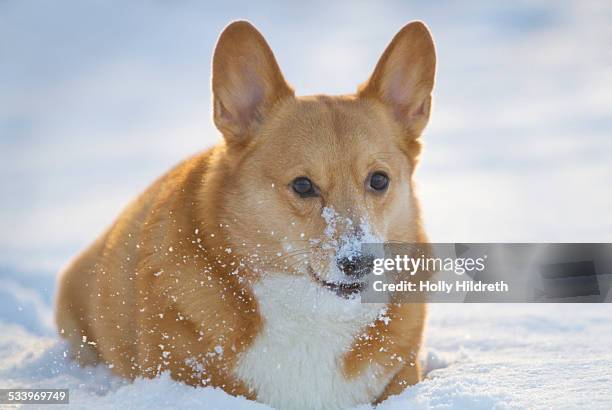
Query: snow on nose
point(350, 263)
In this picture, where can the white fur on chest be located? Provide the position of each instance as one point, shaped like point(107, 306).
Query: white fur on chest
point(295, 362)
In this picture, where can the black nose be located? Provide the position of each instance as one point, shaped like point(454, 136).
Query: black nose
point(356, 266)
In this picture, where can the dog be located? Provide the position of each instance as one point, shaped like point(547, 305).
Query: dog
point(238, 268)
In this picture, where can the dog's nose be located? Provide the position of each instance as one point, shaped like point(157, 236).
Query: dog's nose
point(356, 266)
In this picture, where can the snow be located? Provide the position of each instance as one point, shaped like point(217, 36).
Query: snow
point(478, 356)
point(345, 244)
point(99, 100)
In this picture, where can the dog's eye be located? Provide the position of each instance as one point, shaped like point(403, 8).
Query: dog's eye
point(379, 181)
point(304, 187)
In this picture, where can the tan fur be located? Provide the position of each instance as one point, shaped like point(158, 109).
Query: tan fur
point(168, 285)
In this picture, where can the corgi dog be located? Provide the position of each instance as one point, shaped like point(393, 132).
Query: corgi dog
point(231, 270)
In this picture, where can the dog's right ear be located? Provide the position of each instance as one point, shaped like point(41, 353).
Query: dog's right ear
point(246, 81)
point(404, 77)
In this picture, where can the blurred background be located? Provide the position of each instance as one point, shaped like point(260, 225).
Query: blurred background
point(98, 98)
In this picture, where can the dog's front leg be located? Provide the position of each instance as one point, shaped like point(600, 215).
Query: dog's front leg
point(408, 375)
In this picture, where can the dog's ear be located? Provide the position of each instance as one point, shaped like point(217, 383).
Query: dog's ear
point(404, 77)
point(246, 81)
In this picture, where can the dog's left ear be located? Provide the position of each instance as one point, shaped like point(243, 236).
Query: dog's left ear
point(404, 77)
point(246, 81)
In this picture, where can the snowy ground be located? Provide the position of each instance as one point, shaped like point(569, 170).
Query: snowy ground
point(480, 357)
point(97, 100)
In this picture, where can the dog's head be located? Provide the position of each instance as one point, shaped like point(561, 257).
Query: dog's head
point(308, 179)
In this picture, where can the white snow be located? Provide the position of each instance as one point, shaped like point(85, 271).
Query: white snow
point(478, 356)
